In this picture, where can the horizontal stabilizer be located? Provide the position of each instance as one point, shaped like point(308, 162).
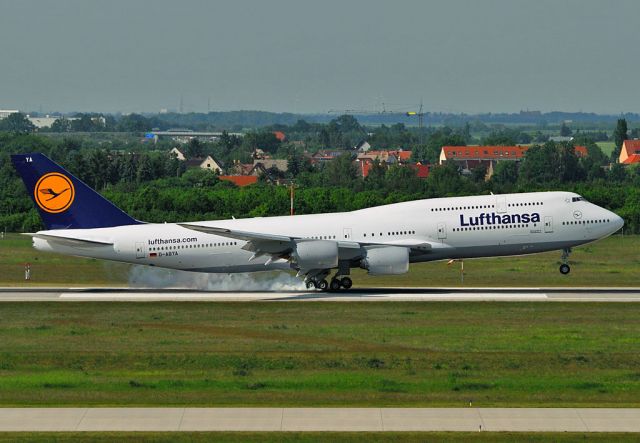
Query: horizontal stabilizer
point(70, 241)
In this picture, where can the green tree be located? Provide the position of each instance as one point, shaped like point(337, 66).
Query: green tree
point(617, 173)
point(569, 168)
point(194, 149)
point(539, 165)
point(145, 169)
point(479, 173)
point(565, 131)
point(61, 125)
point(265, 140)
point(505, 174)
point(18, 123)
point(446, 180)
point(429, 152)
point(83, 123)
point(347, 123)
point(401, 178)
point(134, 123)
point(619, 136)
point(340, 171)
point(500, 138)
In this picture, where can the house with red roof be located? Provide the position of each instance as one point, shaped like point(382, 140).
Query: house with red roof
point(422, 171)
point(630, 152)
point(240, 180)
point(469, 157)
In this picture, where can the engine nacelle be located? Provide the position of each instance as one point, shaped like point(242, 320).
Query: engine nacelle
point(316, 254)
point(386, 260)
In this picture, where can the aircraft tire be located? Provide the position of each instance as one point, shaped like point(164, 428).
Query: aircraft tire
point(323, 285)
point(311, 284)
point(346, 282)
point(565, 269)
point(335, 284)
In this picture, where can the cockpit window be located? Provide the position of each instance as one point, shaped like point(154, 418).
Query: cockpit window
point(578, 199)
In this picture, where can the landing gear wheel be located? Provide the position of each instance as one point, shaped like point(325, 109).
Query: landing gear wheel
point(335, 284)
point(346, 282)
point(564, 269)
point(311, 284)
point(323, 285)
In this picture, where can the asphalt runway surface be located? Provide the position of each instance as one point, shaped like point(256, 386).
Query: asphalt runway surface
point(321, 419)
point(360, 294)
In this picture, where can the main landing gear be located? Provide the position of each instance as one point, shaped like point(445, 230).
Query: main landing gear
point(338, 283)
point(564, 267)
point(335, 285)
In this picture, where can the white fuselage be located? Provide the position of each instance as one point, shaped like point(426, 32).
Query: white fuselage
point(455, 227)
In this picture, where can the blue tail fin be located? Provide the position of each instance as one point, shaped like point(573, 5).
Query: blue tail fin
point(64, 201)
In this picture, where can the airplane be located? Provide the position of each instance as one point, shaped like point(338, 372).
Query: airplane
point(384, 240)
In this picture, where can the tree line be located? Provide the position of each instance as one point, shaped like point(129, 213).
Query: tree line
point(154, 186)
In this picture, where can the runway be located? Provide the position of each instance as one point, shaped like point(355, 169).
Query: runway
point(362, 294)
point(320, 419)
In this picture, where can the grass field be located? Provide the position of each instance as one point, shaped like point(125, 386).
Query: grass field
point(222, 437)
point(606, 147)
point(320, 354)
point(614, 261)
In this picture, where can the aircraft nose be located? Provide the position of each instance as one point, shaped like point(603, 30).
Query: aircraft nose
point(615, 221)
point(618, 221)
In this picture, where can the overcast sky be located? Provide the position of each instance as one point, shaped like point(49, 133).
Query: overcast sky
point(313, 56)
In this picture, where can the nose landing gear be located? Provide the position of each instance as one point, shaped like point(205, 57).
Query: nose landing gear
point(564, 267)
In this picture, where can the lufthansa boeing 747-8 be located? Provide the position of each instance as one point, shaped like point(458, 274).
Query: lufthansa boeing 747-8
point(382, 240)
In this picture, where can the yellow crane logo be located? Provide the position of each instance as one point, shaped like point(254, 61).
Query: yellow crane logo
point(54, 192)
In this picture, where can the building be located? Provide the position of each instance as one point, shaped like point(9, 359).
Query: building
point(240, 180)
point(4, 113)
point(469, 157)
point(241, 168)
point(268, 163)
point(388, 157)
point(47, 121)
point(324, 156)
point(362, 146)
point(208, 163)
point(630, 152)
point(561, 139)
point(365, 162)
point(422, 171)
point(179, 155)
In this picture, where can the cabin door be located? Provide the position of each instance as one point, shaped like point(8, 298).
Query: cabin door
point(346, 234)
point(442, 231)
point(140, 250)
point(548, 224)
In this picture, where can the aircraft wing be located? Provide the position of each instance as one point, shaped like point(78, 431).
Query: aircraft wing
point(240, 235)
point(70, 241)
point(413, 244)
point(275, 244)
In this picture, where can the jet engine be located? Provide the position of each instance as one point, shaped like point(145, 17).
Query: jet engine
point(386, 260)
point(316, 254)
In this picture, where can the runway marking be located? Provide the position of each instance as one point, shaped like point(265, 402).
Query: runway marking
point(320, 419)
point(355, 295)
point(302, 296)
